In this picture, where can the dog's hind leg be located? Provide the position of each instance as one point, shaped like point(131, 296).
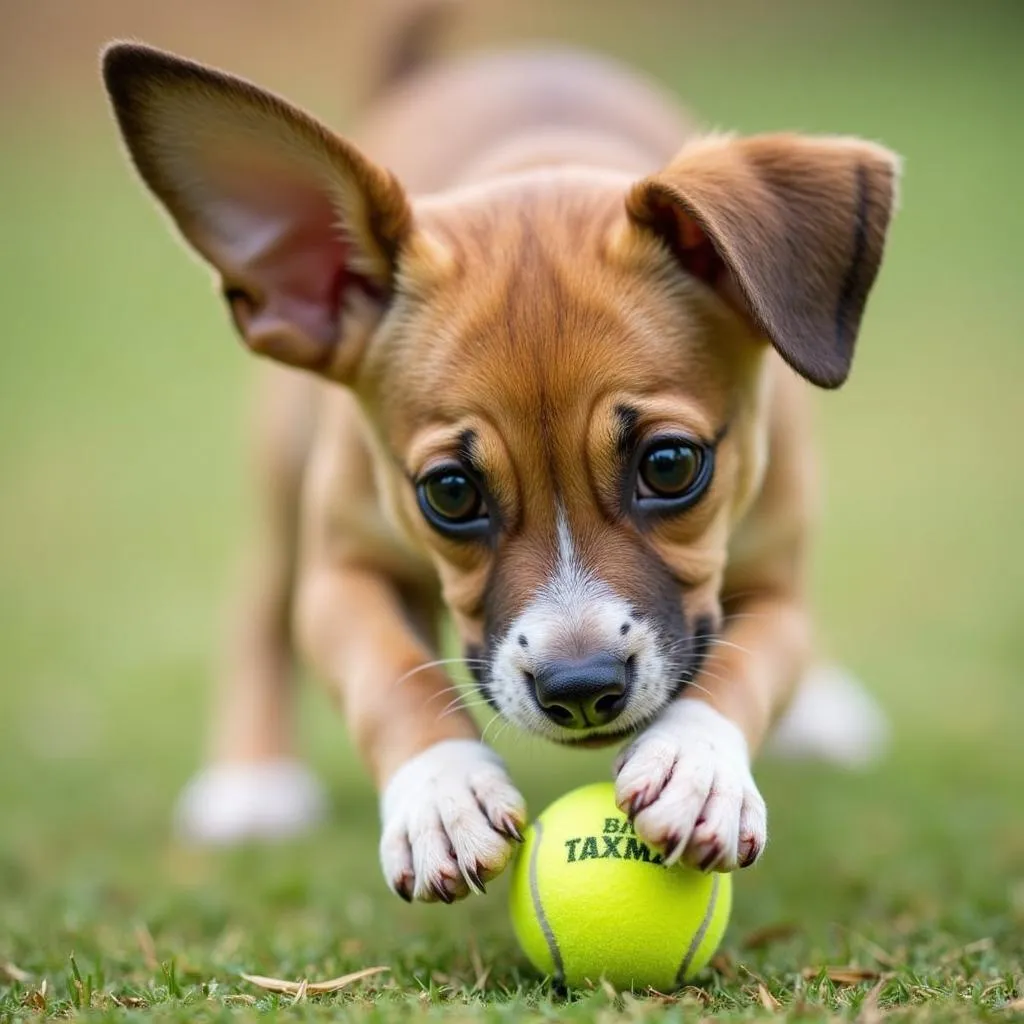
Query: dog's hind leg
point(831, 718)
point(254, 787)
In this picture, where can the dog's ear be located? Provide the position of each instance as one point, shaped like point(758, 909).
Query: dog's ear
point(789, 229)
point(300, 226)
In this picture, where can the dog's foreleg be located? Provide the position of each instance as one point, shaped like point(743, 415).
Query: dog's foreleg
point(449, 811)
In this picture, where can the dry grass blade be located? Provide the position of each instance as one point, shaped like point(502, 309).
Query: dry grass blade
point(723, 964)
point(870, 1012)
point(481, 973)
point(843, 975)
point(883, 956)
point(693, 996)
point(134, 1002)
point(314, 988)
point(762, 937)
point(37, 999)
point(146, 946)
point(15, 973)
point(766, 999)
point(978, 946)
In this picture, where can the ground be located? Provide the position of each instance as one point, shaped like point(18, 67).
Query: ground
point(897, 892)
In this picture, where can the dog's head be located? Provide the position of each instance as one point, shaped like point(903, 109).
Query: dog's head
point(565, 369)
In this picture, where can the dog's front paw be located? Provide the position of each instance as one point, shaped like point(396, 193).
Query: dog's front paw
point(686, 785)
point(449, 816)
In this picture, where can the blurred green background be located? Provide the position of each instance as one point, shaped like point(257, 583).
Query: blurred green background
point(123, 398)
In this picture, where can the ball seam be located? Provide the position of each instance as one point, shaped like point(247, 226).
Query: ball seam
point(691, 951)
point(538, 906)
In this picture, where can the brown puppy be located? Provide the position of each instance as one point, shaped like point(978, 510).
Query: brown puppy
point(554, 387)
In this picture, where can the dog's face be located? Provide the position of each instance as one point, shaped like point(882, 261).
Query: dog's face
point(575, 427)
point(564, 369)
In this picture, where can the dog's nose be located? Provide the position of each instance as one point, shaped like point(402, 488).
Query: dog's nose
point(582, 693)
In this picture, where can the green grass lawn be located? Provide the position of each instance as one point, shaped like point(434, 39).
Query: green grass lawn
point(123, 498)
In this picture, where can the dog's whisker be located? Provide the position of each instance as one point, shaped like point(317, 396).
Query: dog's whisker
point(435, 664)
point(736, 616)
point(691, 685)
point(458, 701)
point(699, 688)
point(707, 671)
point(496, 717)
point(462, 705)
point(676, 668)
point(688, 644)
point(503, 725)
point(455, 710)
point(703, 671)
point(683, 647)
point(458, 688)
point(719, 642)
point(694, 638)
point(741, 595)
point(501, 730)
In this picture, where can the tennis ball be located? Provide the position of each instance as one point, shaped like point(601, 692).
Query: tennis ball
point(590, 900)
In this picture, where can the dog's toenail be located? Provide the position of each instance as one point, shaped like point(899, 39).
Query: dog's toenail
point(403, 888)
point(474, 879)
point(442, 893)
point(753, 851)
point(510, 829)
point(673, 848)
point(710, 858)
point(636, 805)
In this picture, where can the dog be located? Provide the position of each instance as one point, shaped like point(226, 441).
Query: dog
point(537, 358)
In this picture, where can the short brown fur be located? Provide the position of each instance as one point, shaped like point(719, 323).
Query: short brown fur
point(567, 246)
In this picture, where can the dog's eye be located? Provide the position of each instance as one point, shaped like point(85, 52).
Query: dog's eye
point(450, 500)
point(669, 470)
point(452, 495)
point(673, 470)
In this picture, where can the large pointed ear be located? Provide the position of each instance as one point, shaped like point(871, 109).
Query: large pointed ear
point(788, 229)
point(300, 226)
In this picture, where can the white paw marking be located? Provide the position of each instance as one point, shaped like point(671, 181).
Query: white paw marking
point(686, 783)
point(449, 817)
point(832, 718)
point(230, 803)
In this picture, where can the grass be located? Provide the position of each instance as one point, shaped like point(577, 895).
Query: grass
point(121, 425)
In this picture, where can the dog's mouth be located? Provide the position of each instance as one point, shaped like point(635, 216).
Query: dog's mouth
point(597, 741)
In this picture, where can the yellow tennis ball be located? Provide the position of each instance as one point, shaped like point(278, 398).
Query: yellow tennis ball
point(589, 900)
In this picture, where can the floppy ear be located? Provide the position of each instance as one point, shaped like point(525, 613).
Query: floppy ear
point(300, 226)
point(788, 229)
